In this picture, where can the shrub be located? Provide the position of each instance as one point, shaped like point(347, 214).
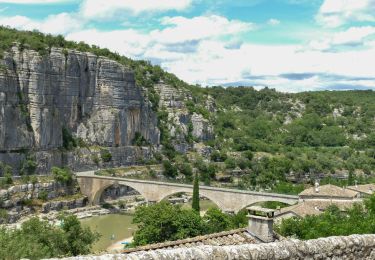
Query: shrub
point(139, 140)
point(69, 142)
point(62, 175)
point(28, 167)
point(43, 195)
point(170, 170)
point(95, 159)
point(106, 155)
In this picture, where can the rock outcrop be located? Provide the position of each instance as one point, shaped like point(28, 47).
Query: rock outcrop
point(181, 122)
point(92, 98)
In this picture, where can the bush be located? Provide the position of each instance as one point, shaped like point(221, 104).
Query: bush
point(8, 178)
point(139, 140)
point(95, 159)
point(106, 155)
point(28, 167)
point(62, 175)
point(69, 142)
point(230, 163)
point(186, 170)
point(43, 195)
point(107, 206)
point(170, 170)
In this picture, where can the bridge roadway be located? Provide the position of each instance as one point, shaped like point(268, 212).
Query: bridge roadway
point(229, 200)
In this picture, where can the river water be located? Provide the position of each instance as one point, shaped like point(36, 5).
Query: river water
point(115, 227)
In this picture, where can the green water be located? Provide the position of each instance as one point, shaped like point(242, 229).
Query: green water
point(119, 225)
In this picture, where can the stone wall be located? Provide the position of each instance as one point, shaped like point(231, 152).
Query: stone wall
point(349, 247)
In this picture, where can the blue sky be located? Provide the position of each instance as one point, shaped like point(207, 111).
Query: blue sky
point(290, 45)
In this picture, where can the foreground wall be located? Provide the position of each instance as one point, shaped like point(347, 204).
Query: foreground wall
point(350, 247)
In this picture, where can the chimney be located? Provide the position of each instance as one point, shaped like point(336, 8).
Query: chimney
point(316, 187)
point(261, 223)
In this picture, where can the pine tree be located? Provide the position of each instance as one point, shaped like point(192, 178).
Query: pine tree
point(195, 203)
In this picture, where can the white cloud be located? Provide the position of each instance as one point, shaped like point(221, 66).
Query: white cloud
point(334, 13)
point(54, 24)
point(273, 22)
point(180, 35)
point(351, 38)
point(180, 29)
point(109, 8)
point(34, 1)
point(127, 42)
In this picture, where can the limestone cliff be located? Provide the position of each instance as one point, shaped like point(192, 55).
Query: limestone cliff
point(181, 122)
point(92, 98)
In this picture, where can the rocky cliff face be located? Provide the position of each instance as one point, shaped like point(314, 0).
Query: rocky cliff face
point(181, 123)
point(92, 98)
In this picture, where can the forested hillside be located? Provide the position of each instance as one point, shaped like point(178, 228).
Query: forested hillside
point(270, 137)
point(313, 132)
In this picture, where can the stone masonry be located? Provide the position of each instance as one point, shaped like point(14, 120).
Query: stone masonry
point(344, 247)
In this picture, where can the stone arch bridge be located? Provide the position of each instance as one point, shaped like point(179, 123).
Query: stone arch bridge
point(229, 200)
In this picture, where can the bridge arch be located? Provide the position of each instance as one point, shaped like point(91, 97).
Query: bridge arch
point(96, 194)
point(115, 191)
point(264, 201)
point(269, 199)
point(201, 194)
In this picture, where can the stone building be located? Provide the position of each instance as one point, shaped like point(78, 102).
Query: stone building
point(365, 190)
point(317, 199)
point(328, 192)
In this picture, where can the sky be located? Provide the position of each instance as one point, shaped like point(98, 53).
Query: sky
point(289, 45)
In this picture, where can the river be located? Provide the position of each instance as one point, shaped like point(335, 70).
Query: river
point(115, 227)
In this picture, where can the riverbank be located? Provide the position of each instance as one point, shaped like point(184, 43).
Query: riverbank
point(118, 246)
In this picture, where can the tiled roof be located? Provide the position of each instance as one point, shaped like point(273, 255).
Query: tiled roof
point(365, 188)
point(314, 207)
point(329, 191)
point(233, 237)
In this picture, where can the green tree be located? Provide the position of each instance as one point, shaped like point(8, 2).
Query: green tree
point(195, 202)
point(79, 239)
point(170, 170)
point(38, 239)
point(163, 221)
point(351, 178)
point(217, 221)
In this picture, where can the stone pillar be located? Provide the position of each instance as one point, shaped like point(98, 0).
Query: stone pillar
point(261, 223)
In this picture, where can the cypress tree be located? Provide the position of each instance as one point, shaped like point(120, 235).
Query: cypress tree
point(351, 178)
point(195, 203)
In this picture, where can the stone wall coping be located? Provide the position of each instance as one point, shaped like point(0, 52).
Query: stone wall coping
point(337, 247)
